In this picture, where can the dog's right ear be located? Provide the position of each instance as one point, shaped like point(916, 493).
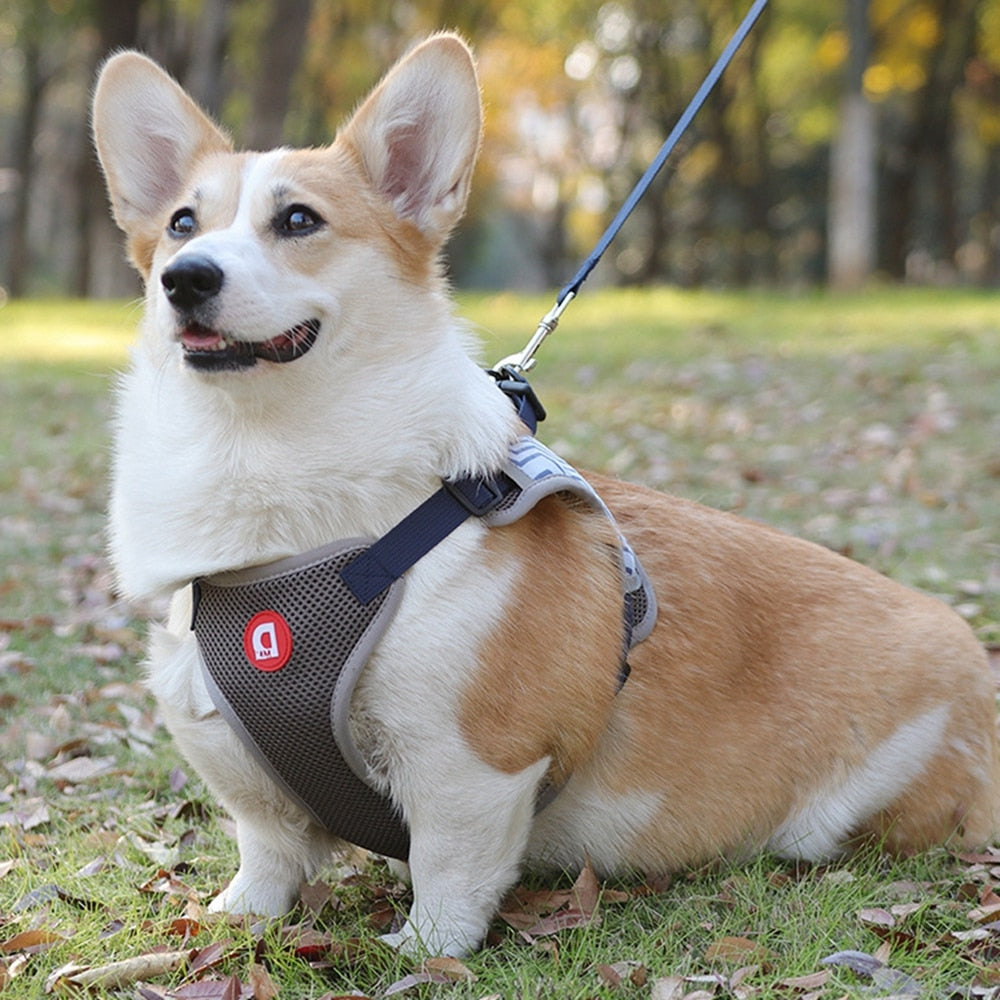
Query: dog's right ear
point(149, 134)
point(417, 135)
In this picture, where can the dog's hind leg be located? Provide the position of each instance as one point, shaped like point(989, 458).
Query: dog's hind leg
point(467, 844)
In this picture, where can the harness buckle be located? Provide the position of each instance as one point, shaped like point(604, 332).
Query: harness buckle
point(479, 496)
point(517, 388)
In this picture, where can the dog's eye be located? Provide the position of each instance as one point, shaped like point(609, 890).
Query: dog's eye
point(297, 220)
point(183, 222)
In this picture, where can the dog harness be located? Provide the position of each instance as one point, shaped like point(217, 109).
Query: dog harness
point(283, 644)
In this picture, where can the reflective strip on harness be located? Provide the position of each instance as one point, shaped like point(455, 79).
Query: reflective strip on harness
point(283, 646)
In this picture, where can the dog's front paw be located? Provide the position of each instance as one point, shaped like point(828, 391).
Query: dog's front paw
point(258, 898)
point(432, 941)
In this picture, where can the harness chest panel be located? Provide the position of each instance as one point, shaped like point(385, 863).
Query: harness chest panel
point(283, 646)
point(287, 716)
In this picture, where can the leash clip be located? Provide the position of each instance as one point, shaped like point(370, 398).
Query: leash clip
point(525, 360)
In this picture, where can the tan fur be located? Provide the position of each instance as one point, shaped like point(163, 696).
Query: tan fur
point(548, 673)
point(769, 648)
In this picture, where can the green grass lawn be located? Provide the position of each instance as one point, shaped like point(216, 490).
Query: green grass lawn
point(867, 423)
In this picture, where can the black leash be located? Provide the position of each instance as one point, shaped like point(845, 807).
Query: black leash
point(523, 362)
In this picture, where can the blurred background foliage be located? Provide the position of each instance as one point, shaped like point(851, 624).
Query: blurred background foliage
point(850, 140)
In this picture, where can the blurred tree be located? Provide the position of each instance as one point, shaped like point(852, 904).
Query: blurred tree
point(579, 95)
point(918, 72)
point(279, 58)
point(31, 25)
point(853, 205)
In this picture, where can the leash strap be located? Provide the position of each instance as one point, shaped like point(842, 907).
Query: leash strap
point(525, 360)
point(665, 150)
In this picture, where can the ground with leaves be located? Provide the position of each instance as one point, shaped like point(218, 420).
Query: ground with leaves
point(869, 424)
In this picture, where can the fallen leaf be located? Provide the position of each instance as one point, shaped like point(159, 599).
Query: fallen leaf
point(116, 975)
point(28, 815)
point(416, 979)
point(32, 941)
point(667, 988)
point(811, 982)
point(895, 982)
point(546, 912)
point(78, 770)
point(620, 972)
point(736, 949)
point(878, 916)
point(261, 983)
point(215, 989)
point(856, 961)
point(314, 896)
point(454, 970)
point(609, 976)
point(586, 889)
point(209, 957)
point(982, 914)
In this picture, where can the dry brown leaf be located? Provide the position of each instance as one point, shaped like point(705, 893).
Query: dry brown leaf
point(454, 970)
point(35, 940)
point(982, 914)
point(261, 983)
point(562, 920)
point(314, 896)
point(117, 975)
point(811, 982)
point(877, 916)
point(609, 976)
point(667, 988)
point(736, 949)
point(587, 890)
point(620, 972)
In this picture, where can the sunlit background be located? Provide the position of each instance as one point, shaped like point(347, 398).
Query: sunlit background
point(849, 139)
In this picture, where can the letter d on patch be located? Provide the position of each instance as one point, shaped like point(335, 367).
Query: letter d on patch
point(267, 641)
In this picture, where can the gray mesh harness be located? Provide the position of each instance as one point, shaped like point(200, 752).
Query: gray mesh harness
point(283, 646)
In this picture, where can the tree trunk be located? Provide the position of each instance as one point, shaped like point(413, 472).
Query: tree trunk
point(35, 82)
point(280, 55)
point(852, 228)
point(208, 49)
point(98, 269)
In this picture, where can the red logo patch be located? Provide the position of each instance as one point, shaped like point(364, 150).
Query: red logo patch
point(267, 641)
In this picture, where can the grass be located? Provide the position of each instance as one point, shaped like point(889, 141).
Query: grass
point(867, 423)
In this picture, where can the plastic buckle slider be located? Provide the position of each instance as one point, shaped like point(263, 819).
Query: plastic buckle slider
point(478, 496)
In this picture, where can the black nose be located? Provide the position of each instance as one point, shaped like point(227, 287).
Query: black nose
point(191, 281)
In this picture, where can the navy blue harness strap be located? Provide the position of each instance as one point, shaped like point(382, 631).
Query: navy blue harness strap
point(386, 560)
point(401, 547)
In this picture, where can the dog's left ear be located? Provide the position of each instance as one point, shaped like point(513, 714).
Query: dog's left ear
point(417, 135)
point(149, 134)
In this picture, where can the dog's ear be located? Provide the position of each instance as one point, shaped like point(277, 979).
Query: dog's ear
point(149, 134)
point(417, 135)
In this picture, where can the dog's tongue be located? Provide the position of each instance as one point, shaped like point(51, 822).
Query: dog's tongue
point(198, 338)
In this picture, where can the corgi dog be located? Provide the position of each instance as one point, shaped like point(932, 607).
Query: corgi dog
point(300, 377)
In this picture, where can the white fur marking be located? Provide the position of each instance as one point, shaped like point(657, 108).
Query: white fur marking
point(818, 829)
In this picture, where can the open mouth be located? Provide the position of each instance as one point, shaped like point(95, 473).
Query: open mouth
point(210, 350)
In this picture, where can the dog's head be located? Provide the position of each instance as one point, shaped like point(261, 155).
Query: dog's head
point(252, 259)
